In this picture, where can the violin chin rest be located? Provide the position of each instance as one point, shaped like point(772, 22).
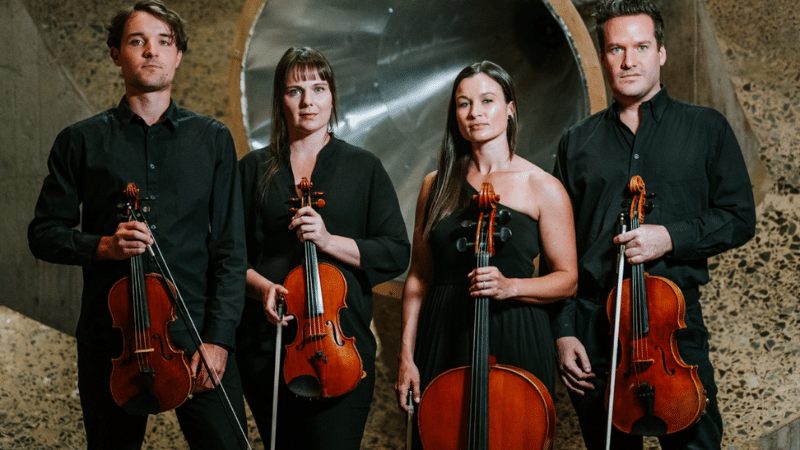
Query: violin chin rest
point(305, 386)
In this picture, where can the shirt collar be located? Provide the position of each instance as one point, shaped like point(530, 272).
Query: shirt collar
point(126, 115)
point(655, 106)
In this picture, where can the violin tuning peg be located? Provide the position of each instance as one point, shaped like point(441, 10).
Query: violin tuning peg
point(146, 209)
point(294, 200)
point(626, 203)
point(317, 194)
point(319, 203)
point(503, 217)
point(648, 207)
point(292, 210)
point(504, 235)
point(462, 245)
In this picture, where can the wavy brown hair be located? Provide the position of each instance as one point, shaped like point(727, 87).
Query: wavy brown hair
point(446, 195)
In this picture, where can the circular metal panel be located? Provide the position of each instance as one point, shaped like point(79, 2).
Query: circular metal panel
point(395, 63)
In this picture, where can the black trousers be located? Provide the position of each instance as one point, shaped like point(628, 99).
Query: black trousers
point(693, 348)
point(325, 424)
point(206, 422)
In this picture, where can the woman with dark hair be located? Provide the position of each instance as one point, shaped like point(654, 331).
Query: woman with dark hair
point(478, 147)
point(360, 231)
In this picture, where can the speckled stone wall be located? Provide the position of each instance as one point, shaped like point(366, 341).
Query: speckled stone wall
point(750, 305)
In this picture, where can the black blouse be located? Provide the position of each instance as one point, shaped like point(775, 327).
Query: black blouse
point(360, 203)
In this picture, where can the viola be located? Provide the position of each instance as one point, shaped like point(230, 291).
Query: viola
point(652, 389)
point(151, 375)
point(321, 362)
point(486, 405)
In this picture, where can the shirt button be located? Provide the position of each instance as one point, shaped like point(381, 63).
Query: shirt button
point(152, 166)
point(153, 226)
point(152, 197)
point(152, 137)
point(635, 156)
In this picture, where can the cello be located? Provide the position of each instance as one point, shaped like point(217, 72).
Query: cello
point(654, 390)
point(151, 375)
point(321, 362)
point(486, 405)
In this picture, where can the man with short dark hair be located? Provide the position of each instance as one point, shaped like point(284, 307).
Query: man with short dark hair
point(703, 205)
point(184, 166)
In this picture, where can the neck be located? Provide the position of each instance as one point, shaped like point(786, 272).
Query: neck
point(630, 109)
point(310, 144)
point(491, 156)
point(150, 106)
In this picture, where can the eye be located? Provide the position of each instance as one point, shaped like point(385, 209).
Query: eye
point(463, 104)
point(293, 91)
point(135, 42)
point(319, 89)
point(642, 47)
point(487, 100)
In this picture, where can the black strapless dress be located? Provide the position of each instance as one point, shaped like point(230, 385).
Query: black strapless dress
point(519, 332)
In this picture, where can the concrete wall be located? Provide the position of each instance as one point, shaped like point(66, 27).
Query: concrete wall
point(38, 99)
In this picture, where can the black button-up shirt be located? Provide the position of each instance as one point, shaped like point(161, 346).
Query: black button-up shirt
point(689, 157)
point(186, 170)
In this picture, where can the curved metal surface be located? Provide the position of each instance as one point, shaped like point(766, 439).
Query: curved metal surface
point(395, 63)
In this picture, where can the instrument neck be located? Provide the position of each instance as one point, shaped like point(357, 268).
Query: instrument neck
point(639, 312)
point(479, 380)
point(313, 285)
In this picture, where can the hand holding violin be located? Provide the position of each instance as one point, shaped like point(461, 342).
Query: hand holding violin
point(646, 243)
point(309, 226)
point(130, 239)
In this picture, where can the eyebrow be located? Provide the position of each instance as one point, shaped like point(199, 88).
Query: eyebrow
point(141, 34)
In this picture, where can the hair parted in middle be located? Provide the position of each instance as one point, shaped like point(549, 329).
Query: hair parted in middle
point(155, 8)
point(446, 195)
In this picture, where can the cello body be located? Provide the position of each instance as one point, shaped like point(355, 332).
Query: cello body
point(521, 411)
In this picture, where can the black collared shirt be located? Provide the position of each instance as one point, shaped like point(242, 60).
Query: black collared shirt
point(185, 169)
point(688, 157)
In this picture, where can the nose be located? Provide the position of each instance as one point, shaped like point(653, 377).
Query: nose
point(306, 99)
point(150, 50)
point(628, 60)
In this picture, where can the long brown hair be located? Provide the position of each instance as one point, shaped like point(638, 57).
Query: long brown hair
point(446, 195)
point(302, 61)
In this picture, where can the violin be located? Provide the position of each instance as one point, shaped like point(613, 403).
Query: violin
point(654, 390)
point(321, 362)
point(486, 405)
point(151, 375)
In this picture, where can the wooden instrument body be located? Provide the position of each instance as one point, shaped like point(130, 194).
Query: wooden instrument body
point(151, 375)
point(652, 359)
point(521, 411)
point(321, 362)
